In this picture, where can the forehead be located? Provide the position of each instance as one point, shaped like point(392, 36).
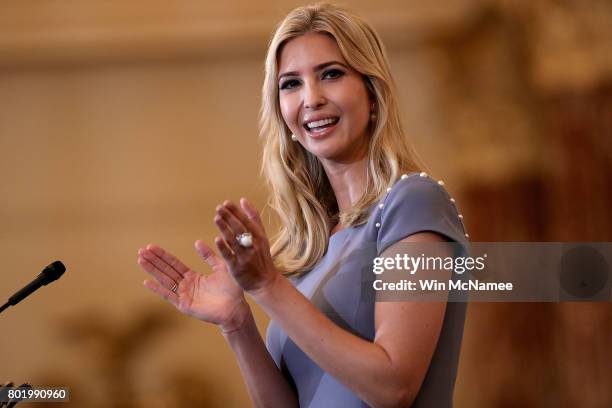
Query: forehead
point(308, 50)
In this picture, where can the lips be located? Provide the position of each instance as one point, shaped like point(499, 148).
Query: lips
point(320, 126)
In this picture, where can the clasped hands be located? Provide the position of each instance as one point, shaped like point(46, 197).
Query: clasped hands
point(216, 298)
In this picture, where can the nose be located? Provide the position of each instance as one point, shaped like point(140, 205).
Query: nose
point(313, 95)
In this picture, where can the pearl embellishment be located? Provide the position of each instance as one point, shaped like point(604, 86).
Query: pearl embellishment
point(421, 174)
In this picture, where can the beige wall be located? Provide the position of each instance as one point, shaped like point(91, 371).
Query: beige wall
point(100, 161)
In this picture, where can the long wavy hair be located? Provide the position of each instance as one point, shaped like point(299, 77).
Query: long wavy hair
point(301, 193)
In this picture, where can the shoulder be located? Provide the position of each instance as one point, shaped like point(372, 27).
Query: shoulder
point(418, 203)
point(418, 189)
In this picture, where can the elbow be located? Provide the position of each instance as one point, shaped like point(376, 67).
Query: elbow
point(399, 397)
point(405, 398)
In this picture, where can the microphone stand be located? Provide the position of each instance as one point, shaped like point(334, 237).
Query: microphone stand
point(51, 273)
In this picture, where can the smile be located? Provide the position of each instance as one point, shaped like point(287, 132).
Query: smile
point(321, 127)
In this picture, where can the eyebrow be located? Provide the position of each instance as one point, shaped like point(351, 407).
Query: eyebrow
point(316, 68)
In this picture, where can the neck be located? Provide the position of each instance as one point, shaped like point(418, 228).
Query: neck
point(348, 180)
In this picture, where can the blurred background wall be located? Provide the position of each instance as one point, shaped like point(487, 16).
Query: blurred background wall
point(124, 123)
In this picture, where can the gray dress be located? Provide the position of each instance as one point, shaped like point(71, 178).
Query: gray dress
point(339, 286)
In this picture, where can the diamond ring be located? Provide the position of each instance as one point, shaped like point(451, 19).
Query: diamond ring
point(245, 239)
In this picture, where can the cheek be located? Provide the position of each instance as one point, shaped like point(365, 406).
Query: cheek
point(360, 111)
point(288, 111)
point(357, 102)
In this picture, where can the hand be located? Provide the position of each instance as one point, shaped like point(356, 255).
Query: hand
point(252, 267)
point(213, 298)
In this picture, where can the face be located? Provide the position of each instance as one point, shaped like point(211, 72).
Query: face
point(324, 102)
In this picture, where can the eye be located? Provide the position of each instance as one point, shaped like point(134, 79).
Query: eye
point(333, 74)
point(289, 84)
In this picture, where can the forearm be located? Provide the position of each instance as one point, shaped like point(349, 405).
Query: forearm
point(363, 366)
point(265, 383)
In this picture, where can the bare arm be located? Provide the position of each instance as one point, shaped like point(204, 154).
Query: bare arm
point(387, 372)
point(265, 383)
point(216, 299)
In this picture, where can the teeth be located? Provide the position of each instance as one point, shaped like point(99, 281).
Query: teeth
point(319, 123)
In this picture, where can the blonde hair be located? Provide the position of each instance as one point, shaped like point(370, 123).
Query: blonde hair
point(301, 193)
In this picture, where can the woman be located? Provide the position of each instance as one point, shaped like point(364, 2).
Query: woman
point(334, 156)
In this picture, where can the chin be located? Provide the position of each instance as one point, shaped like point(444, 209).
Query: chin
point(334, 156)
point(325, 152)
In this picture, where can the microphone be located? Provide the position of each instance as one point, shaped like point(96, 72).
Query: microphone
point(49, 274)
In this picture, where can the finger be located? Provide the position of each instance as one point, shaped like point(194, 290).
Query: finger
point(170, 259)
point(152, 270)
point(212, 259)
point(235, 224)
point(242, 217)
point(162, 291)
point(160, 264)
point(224, 250)
point(253, 214)
point(228, 234)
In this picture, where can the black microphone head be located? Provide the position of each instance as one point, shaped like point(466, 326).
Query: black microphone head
point(53, 271)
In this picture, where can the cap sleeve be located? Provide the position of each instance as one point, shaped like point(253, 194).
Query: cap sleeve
point(417, 203)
